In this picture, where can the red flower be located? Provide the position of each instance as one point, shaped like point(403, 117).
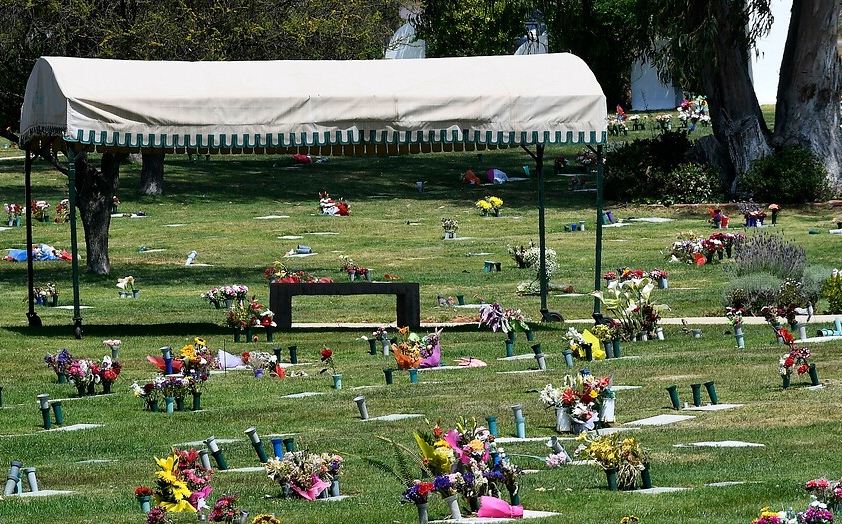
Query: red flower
point(141, 491)
point(326, 354)
point(789, 362)
point(246, 356)
point(425, 488)
point(802, 369)
point(109, 375)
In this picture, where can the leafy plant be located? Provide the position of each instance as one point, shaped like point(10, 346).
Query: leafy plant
point(768, 253)
point(832, 291)
point(687, 183)
point(752, 292)
point(791, 175)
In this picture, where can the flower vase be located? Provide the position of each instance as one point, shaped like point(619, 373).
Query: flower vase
point(334, 487)
point(663, 283)
point(337, 381)
point(352, 275)
point(372, 346)
point(606, 411)
point(106, 387)
point(179, 403)
point(62, 378)
point(814, 376)
point(728, 251)
point(563, 421)
point(510, 348)
point(197, 401)
point(91, 388)
point(387, 348)
point(145, 503)
point(514, 494)
point(786, 381)
point(720, 255)
point(453, 505)
point(616, 343)
point(237, 334)
point(741, 344)
point(81, 389)
point(422, 512)
point(473, 503)
point(611, 475)
point(645, 477)
point(152, 405)
point(709, 258)
point(258, 373)
point(170, 401)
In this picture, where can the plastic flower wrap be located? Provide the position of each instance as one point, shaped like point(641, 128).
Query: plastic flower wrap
point(408, 350)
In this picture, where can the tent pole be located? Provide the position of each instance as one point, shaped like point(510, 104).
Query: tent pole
point(74, 250)
point(34, 319)
point(598, 263)
point(546, 314)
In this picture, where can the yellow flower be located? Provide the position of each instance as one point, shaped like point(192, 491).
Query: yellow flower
point(188, 351)
point(200, 342)
point(593, 393)
point(483, 204)
point(476, 445)
point(404, 330)
point(495, 201)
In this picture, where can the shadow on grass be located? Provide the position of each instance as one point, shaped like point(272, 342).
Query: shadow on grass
point(139, 330)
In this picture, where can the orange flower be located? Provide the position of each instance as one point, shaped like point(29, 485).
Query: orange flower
point(404, 330)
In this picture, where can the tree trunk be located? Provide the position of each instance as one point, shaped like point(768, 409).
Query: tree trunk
point(152, 174)
point(738, 123)
point(807, 112)
point(95, 190)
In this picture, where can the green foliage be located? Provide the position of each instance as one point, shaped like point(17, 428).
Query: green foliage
point(751, 292)
point(832, 291)
point(813, 281)
point(768, 253)
point(471, 28)
point(688, 183)
point(791, 175)
point(634, 171)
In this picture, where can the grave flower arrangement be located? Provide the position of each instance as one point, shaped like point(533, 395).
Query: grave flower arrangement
point(175, 387)
point(327, 361)
point(63, 211)
point(826, 491)
point(505, 319)
point(259, 360)
point(158, 515)
point(82, 372)
point(580, 396)
point(150, 391)
point(612, 451)
point(484, 206)
point(197, 358)
point(351, 268)
point(407, 351)
point(817, 513)
point(630, 302)
point(734, 316)
point(108, 372)
point(304, 473)
point(419, 492)
point(450, 225)
point(39, 209)
point(585, 157)
point(13, 212)
point(126, 284)
point(214, 296)
point(794, 360)
point(576, 342)
point(60, 362)
point(182, 483)
point(226, 509)
point(265, 518)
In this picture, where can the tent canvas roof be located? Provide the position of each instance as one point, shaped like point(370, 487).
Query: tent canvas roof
point(134, 105)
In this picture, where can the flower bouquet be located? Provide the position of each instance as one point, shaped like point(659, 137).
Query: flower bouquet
point(794, 360)
point(450, 225)
point(260, 361)
point(150, 392)
point(197, 358)
point(13, 213)
point(59, 363)
point(301, 472)
point(158, 515)
point(83, 373)
point(182, 482)
point(484, 206)
point(226, 510)
point(586, 158)
point(491, 204)
point(817, 513)
point(327, 360)
point(496, 317)
point(352, 269)
point(127, 286)
point(408, 349)
point(630, 303)
point(175, 387)
point(108, 372)
point(418, 492)
point(40, 210)
point(826, 491)
point(63, 211)
point(615, 454)
point(214, 296)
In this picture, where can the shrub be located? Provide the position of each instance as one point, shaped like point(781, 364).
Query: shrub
point(790, 175)
point(768, 253)
point(632, 170)
point(752, 292)
point(812, 281)
point(832, 291)
point(687, 183)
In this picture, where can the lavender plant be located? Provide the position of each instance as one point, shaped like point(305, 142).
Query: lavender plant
point(768, 253)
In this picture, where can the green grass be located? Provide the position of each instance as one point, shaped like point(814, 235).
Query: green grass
point(218, 201)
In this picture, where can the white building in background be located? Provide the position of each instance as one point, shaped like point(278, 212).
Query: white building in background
point(649, 93)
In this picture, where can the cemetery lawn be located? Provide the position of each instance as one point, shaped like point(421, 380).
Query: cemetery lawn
point(211, 207)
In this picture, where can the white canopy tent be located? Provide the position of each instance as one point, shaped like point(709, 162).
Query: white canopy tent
point(318, 107)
